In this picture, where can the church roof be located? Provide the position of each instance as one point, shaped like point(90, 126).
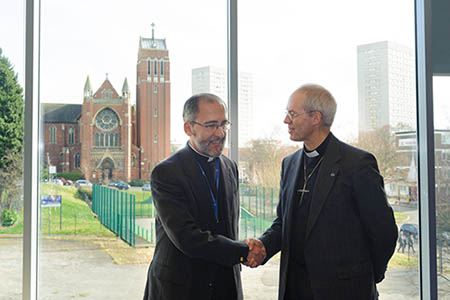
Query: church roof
point(148, 43)
point(61, 113)
point(107, 86)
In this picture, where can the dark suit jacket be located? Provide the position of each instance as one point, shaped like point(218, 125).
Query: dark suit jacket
point(351, 232)
point(187, 253)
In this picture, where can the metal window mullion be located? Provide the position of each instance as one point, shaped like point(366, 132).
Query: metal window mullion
point(426, 163)
point(31, 152)
point(232, 73)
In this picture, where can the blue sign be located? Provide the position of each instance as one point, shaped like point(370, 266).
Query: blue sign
point(51, 200)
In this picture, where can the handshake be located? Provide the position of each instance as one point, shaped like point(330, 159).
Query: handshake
point(256, 253)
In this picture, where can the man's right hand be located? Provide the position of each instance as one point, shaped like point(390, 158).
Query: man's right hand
point(256, 254)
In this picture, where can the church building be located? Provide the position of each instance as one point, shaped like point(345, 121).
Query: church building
point(107, 138)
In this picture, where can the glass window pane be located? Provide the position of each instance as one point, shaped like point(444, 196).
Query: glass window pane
point(441, 94)
point(11, 147)
point(363, 53)
point(91, 65)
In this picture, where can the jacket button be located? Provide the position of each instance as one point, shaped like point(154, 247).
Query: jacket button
point(210, 285)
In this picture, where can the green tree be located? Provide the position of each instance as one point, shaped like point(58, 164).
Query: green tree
point(11, 130)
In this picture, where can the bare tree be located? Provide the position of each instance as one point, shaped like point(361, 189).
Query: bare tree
point(263, 161)
point(381, 143)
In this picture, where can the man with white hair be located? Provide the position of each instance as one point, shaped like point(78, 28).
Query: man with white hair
point(334, 226)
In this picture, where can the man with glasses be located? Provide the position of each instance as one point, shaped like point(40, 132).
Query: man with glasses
point(334, 226)
point(195, 192)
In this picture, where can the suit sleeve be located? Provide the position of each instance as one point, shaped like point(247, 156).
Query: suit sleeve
point(376, 214)
point(272, 237)
point(182, 229)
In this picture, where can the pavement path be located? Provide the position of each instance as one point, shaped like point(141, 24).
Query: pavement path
point(103, 268)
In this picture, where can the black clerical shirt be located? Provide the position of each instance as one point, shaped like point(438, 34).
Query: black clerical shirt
point(302, 205)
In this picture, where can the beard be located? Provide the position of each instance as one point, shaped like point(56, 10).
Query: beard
point(211, 147)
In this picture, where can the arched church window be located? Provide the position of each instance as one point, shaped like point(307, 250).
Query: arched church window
point(149, 67)
point(52, 134)
point(116, 140)
point(71, 135)
point(111, 140)
point(102, 140)
point(77, 160)
point(133, 161)
point(162, 68)
point(96, 140)
point(155, 68)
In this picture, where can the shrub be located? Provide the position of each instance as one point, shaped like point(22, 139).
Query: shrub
point(9, 217)
point(138, 182)
point(84, 191)
point(70, 176)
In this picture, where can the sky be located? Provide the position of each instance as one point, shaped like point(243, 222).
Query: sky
point(283, 44)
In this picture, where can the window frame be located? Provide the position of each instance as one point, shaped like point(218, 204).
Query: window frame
point(425, 135)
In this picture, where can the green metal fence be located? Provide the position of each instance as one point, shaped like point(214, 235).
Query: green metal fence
point(146, 234)
point(119, 212)
point(258, 210)
point(116, 211)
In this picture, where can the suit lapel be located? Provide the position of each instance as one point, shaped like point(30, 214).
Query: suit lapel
point(325, 180)
point(228, 199)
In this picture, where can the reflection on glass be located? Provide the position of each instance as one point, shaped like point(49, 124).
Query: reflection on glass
point(441, 95)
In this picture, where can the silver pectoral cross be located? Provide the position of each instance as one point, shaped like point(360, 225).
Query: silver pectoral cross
point(303, 190)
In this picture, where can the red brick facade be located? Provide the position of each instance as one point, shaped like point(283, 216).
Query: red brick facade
point(109, 138)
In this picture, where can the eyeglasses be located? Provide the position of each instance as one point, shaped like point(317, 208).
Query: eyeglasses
point(292, 114)
point(214, 126)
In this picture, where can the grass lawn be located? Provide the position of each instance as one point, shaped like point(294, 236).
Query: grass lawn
point(143, 202)
point(77, 217)
point(141, 196)
point(401, 260)
point(399, 217)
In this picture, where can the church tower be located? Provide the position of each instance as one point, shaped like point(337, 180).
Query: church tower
point(152, 103)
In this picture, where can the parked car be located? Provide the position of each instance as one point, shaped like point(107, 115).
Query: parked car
point(62, 179)
point(68, 182)
point(58, 181)
point(147, 187)
point(120, 185)
point(82, 182)
point(412, 229)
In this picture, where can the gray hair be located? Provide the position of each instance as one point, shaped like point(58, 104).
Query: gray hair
point(317, 98)
point(190, 110)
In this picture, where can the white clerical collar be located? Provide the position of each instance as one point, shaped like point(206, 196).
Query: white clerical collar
point(210, 158)
point(311, 154)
